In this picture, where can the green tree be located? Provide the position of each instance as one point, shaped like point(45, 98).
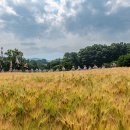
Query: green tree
point(124, 60)
point(55, 64)
point(15, 58)
point(96, 54)
point(100, 54)
point(70, 59)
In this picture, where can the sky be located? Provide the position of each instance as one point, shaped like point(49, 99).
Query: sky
point(49, 28)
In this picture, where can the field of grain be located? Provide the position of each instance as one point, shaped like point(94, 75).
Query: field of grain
point(76, 100)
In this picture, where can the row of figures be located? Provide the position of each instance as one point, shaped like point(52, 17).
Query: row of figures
point(63, 69)
point(57, 70)
point(85, 67)
point(32, 70)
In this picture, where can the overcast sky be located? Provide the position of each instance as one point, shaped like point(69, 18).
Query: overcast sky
point(49, 28)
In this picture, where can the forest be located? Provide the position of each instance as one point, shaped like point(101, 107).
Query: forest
point(96, 55)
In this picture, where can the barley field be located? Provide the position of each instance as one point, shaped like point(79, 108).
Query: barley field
point(76, 100)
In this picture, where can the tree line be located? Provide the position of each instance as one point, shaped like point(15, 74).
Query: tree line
point(14, 60)
point(97, 54)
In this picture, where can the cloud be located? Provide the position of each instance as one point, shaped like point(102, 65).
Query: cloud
point(52, 27)
point(86, 21)
point(115, 5)
point(6, 9)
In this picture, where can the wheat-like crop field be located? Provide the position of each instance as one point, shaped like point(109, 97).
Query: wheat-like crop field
point(76, 100)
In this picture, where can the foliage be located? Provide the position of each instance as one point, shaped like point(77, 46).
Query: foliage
point(70, 59)
point(12, 55)
point(55, 64)
point(96, 54)
point(100, 54)
point(124, 60)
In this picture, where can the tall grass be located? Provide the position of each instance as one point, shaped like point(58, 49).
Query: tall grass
point(79, 100)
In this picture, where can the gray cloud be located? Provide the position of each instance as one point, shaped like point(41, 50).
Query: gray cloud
point(28, 43)
point(52, 28)
point(86, 21)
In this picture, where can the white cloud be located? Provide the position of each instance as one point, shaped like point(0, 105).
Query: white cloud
point(115, 5)
point(45, 10)
point(19, 1)
point(10, 10)
point(6, 9)
point(56, 11)
point(39, 19)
